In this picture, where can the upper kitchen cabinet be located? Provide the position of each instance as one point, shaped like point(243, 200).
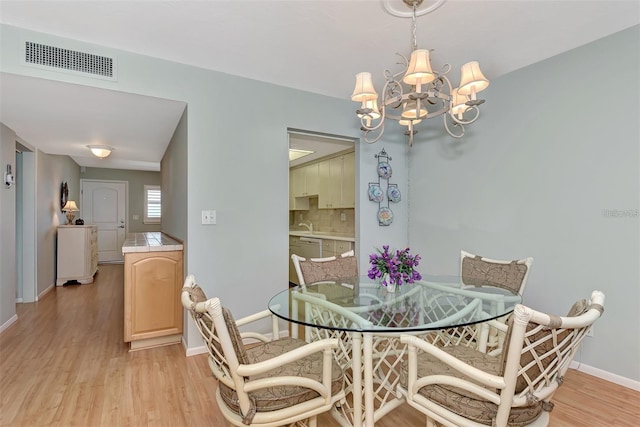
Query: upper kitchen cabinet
point(305, 181)
point(337, 182)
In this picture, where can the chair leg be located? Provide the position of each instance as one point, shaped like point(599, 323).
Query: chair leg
point(431, 422)
point(313, 421)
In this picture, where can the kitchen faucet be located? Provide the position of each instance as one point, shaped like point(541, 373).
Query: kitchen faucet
point(309, 226)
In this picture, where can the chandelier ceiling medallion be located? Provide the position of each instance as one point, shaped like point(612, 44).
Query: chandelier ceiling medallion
point(421, 93)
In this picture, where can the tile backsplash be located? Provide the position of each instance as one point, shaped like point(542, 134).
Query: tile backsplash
point(326, 220)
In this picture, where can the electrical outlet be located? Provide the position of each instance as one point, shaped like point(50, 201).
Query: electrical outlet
point(343, 216)
point(208, 217)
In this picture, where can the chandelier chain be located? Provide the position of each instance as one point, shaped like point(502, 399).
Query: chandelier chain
point(413, 28)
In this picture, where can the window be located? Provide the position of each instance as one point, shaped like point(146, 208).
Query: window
point(152, 204)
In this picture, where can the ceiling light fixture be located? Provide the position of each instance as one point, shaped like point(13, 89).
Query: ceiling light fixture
point(295, 153)
point(100, 151)
point(422, 93)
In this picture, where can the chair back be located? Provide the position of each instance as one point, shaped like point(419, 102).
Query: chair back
point(480, 271)
point(310, 270)
point(225, 348)
point(538, 351)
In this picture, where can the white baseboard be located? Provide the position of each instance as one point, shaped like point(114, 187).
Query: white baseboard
point(607, 376)
point(193, 351)
point(46, 291)
point(8, 323)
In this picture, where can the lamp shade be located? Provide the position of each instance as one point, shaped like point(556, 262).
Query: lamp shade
point(70, 206)
point(364, 89)
point(419, 70)
point(472, 80)
point(410, 111)
point(100, 151)
point(373, 105)
point(458, 103)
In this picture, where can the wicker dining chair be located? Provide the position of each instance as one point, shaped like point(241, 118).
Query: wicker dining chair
point(481, 271)
point(458, 386)
point(310, 270)
point(273, 382)
point(478, 271)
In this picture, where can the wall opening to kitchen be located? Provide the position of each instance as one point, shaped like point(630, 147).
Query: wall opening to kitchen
point(322, 194)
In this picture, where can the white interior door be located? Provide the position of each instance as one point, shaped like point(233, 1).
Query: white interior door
point(104, 204)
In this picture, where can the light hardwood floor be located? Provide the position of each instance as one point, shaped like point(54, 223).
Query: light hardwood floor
point(64, 363)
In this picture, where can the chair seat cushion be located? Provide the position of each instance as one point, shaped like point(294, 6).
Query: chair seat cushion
point(463, 402)
point(278, 397)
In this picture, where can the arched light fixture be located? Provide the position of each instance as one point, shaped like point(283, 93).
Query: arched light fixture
point(418, 92)
point(100, 151)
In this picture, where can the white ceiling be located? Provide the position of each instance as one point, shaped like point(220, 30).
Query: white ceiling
point(313, 45)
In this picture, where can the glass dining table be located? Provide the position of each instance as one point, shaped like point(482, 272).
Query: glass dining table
point(368, 320)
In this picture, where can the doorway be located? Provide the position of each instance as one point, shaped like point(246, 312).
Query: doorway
point(322, 194)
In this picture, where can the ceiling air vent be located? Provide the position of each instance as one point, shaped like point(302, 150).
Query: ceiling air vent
point(69, 60)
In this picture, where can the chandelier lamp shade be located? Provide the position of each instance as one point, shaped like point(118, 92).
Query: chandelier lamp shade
point(100, 151)
point(418, 92)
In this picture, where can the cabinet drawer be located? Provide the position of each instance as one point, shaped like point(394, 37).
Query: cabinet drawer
point(328, 247)
point(342, 247)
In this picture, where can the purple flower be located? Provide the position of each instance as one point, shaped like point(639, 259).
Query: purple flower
point(399, 265)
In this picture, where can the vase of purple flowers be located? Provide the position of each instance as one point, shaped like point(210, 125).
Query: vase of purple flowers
point(393, 268)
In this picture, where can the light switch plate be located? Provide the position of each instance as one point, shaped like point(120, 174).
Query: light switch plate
point(208, 217)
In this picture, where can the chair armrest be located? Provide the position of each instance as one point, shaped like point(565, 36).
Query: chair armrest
point(253, 317)
point(290, 356)
point(479, 375)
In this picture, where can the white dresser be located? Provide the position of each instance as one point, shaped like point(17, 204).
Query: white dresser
point(77, 253)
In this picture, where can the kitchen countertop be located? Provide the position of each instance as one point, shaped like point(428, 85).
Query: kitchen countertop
point(150, 242)
point(328, 235)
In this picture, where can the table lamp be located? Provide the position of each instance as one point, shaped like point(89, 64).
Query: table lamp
point(70, 207)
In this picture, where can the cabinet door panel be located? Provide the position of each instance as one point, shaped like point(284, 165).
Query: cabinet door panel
point(152, 295)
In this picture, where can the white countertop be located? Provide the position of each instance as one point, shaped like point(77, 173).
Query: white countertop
point(150, 242)
point(328, 235)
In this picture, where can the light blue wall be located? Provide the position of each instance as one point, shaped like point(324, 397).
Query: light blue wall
point(556, 146)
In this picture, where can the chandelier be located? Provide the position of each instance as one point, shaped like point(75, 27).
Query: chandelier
point(421, 93)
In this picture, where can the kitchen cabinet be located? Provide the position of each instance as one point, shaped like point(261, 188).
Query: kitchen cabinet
point(77, 254)
point(305, 181)
point(335, 247)
point(152, 306)
point(337, 182)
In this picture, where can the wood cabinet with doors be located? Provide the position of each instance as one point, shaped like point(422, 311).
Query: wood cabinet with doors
point(305, 181)
point(77, 254)
point(337, 182)
point(152, 306)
